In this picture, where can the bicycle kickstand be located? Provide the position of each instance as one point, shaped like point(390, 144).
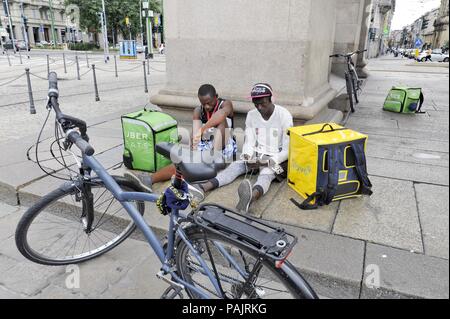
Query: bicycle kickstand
point(172, 292)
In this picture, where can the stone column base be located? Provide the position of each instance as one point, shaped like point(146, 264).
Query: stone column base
point(182, 106)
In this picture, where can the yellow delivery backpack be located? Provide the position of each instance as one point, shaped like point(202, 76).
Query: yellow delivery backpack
point(327, 163)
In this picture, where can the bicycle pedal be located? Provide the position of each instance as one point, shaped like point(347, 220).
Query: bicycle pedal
point(165, 277)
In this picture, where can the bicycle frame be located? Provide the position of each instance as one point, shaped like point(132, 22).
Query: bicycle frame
point(125, 197)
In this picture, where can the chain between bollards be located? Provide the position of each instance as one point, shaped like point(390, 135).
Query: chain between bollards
point(78, 67)
point(145, 77)
point(30, 92)
point(97, 97)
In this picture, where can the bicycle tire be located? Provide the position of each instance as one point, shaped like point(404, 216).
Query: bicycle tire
point(355, 86)
point(288, 276)
point(349, 86)
point(60, 215)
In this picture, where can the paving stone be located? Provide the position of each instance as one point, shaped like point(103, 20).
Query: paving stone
point(332, 264)
point(405, 275)
point(407, 155)
point(28, 278)
point(433, 203)
point(140, 282)
point(389, 217)
point(6, 210)
point(408, 171)
point(282, 210)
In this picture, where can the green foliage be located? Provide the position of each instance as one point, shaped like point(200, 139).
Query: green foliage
point(82, 46)
point(116, 12)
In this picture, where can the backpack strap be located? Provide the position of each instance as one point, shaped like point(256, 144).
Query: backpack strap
point(422, 99)
point(324, 196)
point(333, 174)
point(361, 169)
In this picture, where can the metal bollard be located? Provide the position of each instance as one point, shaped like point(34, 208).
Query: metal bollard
point(145, 77)
point(148, 66)
point(78, 67)
point(48, 66)
point(97, 97)
point(20, 57)
point(7, 54)
point(115, 66)
point(87, 60)
point(30, 92)
point(64, 59)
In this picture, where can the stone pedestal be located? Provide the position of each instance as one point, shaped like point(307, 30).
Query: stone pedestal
point(234, 44)
point(349, 17)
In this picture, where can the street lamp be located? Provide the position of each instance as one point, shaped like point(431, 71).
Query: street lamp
point(105, 33)
point(147, 14)
point(11, 31)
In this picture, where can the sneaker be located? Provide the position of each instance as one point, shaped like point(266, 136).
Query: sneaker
point(142, 179)
point(197, 192)
point(245, 196)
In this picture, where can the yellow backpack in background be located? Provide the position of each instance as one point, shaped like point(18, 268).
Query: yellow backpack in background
point(327, 163)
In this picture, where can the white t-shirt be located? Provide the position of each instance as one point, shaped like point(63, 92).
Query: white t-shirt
point(268, 137)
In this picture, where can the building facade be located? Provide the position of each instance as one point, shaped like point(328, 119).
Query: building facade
point(441, 26)
point(33, 20)
point(380, 26)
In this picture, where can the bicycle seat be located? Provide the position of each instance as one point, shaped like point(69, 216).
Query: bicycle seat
point(194, 165)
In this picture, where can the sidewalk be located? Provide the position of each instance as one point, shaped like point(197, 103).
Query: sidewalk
point(402, 230)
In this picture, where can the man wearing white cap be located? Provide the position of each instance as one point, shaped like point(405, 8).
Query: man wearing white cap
point(265, 148)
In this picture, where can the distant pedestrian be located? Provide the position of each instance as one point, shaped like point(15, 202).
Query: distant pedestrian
point(428, 57)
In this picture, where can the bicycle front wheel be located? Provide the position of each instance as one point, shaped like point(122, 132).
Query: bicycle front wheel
point(349, 85)
point(234, 265)
point(52, 232)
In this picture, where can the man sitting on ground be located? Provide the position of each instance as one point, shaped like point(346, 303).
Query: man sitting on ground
point(212, 122)
point(265, 148)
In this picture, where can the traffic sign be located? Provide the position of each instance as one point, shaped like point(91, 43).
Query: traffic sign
point(418, 43)
point(3, 32)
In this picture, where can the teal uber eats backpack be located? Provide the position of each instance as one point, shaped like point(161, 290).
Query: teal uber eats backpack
point(404, 100)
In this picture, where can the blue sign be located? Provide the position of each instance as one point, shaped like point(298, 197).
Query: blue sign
point(418, 43)
point(128, 49)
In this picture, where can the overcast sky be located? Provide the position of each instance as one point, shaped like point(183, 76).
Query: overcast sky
point(407, 11)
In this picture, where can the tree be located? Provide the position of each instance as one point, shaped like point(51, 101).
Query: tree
point(116, 12)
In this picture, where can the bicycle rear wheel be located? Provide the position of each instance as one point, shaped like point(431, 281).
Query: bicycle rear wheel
point(355, 84)
point(269, 282)
point(349, 86)
point(52, 231)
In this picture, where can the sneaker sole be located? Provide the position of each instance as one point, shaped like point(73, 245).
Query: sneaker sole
point(137, 181)
point(245, 196)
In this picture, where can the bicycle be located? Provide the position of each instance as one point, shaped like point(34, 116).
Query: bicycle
point(352, 81)
point(208, 252)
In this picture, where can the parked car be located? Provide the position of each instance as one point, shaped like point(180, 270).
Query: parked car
point(436, 56)
point(20, 45)
point(42, 44)
point(140, 48)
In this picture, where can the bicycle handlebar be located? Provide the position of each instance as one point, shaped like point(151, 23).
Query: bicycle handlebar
point(79, 141)
point(68, 123)
point(348, 55)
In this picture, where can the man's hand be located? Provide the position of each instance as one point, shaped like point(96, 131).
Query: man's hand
point(196, 138)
